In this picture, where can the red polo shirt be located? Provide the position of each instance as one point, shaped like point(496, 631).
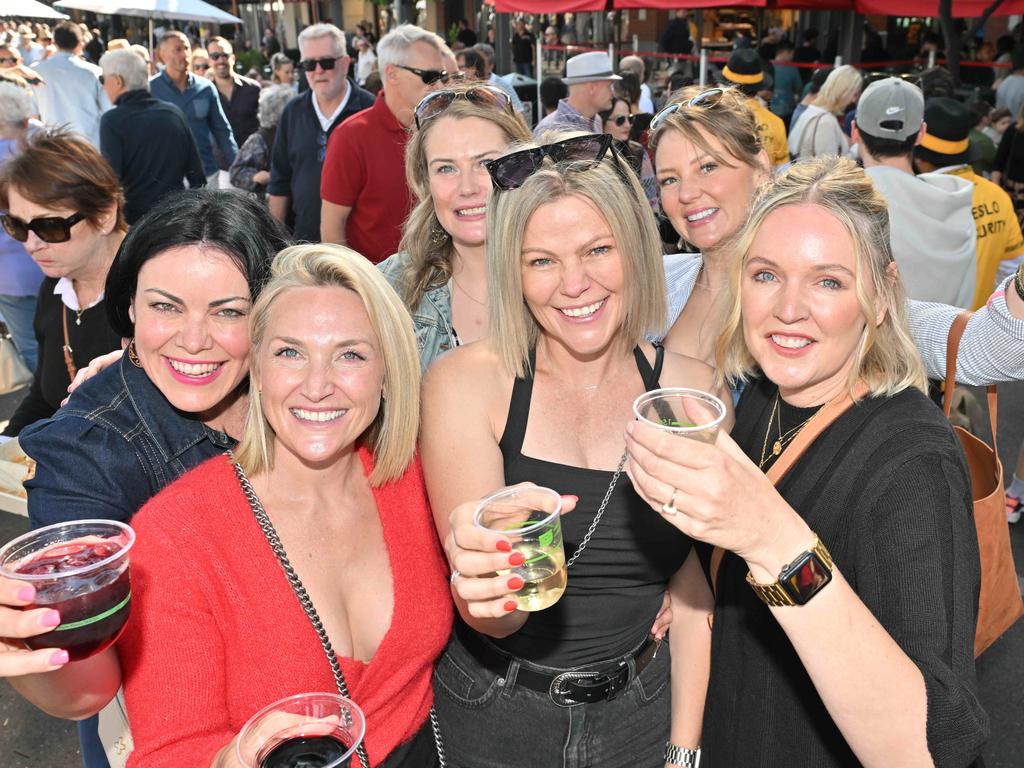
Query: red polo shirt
point(364, 170)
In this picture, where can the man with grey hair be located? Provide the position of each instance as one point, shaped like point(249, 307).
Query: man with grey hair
point(305, 127)
point(636, 65)
point(147, 141)
point(365, 196)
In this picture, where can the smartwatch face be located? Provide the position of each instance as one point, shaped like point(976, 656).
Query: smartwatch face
point(805, 578)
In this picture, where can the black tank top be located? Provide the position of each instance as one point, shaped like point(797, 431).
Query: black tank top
point(616, 586)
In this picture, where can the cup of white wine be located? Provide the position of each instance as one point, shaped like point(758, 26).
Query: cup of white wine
point(530, 518)
point(682, 411)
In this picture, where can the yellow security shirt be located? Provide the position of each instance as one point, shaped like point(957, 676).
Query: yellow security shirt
point(773, 132)
point(999, 235)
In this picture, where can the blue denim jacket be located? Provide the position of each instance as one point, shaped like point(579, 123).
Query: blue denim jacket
point(432, 319)
point(115, 445)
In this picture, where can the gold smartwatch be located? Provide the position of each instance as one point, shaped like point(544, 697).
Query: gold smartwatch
point(800, 580)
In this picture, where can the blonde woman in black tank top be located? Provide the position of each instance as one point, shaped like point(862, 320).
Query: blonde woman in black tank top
point(576, 283)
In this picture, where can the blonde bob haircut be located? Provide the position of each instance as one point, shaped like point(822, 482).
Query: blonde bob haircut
point(887, 359)
point(392, 435)
point(617, 195)
point(729, 119)
point(841, 88)
point(428, 245)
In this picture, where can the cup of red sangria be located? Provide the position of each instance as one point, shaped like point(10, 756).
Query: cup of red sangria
point(79, 569)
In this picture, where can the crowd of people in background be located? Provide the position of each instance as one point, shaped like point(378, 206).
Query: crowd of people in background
point(252, 271)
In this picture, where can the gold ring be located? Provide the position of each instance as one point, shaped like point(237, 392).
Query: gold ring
point(669, 507)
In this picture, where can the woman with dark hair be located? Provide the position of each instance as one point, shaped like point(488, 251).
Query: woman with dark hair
point(618, 121)
point(64, 202)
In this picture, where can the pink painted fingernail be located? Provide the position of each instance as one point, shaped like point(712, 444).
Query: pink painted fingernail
point(50, 619)
point(27, 594)
point(59, 658)
point(503, 546)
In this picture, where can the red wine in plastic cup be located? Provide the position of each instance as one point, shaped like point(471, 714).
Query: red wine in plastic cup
point(79, 569)
point(308, 730)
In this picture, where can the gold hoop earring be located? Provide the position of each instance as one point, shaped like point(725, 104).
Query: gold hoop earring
point(133, 354)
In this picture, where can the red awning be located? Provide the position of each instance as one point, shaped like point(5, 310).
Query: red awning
point(922, 8)
point(549, 6)
point(962, 9)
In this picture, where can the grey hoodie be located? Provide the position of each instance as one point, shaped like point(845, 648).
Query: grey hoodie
point(932, 233)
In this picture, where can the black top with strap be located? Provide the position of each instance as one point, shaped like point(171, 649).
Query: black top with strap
point(615, 588)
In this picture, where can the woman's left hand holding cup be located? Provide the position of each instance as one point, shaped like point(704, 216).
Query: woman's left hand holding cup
point(719, 495)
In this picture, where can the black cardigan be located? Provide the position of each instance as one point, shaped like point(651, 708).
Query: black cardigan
point(94, 337)
point(886, 488)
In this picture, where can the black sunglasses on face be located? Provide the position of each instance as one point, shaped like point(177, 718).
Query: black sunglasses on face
point(219, 56)
point(428, 76)
point(326, 63)
point(512, 171)
point(437, 102)
point(201, 67)
point(621, 120)
point(49, 229)
point(704, 99)
point(8, 60)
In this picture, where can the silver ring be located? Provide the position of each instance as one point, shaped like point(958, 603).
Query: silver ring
point(455, 574)
point(669, 507)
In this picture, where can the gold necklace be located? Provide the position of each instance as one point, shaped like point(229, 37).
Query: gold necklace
point(784, 439)
point(468, 294)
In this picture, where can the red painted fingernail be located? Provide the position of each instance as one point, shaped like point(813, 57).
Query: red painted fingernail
point(59, 658)
point(515, 583)
point(27, 594)
point(503, 546)
point(510, 605)
point(516, 558)
point(50, 619)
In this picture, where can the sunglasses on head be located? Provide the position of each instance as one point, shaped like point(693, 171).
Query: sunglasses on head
point(326, 63)
point(49, 229)
point(219, 56)
point(433, 104)
point(512, 171)
point(704, 99)
point(428, 76)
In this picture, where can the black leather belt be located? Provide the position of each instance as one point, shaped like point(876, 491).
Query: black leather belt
point(568, 688)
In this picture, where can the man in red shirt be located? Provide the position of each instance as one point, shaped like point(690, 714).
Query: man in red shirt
point(362, 186)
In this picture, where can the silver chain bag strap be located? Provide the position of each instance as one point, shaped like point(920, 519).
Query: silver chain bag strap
point(307, 605)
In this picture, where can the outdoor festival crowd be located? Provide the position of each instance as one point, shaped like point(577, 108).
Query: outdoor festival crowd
point(311, 329)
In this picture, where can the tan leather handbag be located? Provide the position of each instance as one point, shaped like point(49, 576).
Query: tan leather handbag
point(1000, 604)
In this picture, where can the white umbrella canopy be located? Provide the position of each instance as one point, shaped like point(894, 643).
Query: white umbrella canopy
point(179, 10)
point(29, 9)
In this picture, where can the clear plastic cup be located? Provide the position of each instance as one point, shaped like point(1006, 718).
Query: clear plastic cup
point(681, 411)
point(80, 569)
point(308, 730)
point(530, 517)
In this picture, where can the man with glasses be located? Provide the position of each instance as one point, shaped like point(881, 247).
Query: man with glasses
point(198, 99)
point(365, 196)
point(239, 96)
point(305, 126)
point(71, 94)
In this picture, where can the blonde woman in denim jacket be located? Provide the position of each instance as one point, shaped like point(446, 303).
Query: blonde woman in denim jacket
point(440, 271)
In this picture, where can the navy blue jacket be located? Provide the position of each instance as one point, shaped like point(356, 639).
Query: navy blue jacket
point(151, 148)
point(115, 445)
point(298, 157)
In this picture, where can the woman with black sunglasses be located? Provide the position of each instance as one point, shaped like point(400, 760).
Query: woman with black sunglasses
point(575, 282)
point(64, 202)
point(618, 122)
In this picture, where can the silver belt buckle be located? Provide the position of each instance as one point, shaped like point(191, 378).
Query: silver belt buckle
point(562, 698)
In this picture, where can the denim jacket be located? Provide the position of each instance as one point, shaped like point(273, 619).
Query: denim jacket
point(432, 319)
point(115, 445)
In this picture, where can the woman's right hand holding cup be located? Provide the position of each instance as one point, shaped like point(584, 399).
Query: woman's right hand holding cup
point(16, 623)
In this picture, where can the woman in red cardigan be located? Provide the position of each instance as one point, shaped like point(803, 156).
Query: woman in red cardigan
point(327, 466)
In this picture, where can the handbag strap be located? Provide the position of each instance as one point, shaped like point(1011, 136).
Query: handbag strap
point(68, 360)
point(956, 332)
point(819, 422)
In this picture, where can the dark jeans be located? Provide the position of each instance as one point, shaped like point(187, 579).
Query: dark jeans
point(490, 722)
point(525, 68)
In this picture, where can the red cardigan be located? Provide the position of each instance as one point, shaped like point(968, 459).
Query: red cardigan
point(216, 632)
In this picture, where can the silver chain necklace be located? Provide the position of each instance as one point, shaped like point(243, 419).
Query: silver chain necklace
point(307, 605)
point(600, 511)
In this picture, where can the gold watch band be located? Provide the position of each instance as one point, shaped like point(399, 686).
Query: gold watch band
point(774, 594)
